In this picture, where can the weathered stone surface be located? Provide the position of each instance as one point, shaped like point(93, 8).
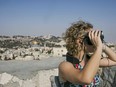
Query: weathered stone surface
point(33, 73)
point(108, 77)
point(41, 79)
point(5, 78)
point(12, 84)
point(114, 82)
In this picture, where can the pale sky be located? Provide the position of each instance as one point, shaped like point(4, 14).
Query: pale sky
point(43, 17)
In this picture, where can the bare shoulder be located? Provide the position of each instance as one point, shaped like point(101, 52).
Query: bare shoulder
point(65, 67)
point(68, 73)
point(65, 64)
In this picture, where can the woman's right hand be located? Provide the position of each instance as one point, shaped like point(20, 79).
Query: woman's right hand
point(94, 36)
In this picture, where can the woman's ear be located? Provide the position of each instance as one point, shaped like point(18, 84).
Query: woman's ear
point(79, 42)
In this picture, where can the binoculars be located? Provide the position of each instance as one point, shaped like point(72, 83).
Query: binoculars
point(88, 41)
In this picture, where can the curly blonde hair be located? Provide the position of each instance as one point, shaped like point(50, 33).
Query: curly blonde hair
point(76, 30)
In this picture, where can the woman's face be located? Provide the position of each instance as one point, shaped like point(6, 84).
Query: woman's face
point(86, 47)
point(89, 48)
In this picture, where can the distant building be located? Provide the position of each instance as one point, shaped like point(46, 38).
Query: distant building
point(62, 43)
point(34, 43)
point(59, 51)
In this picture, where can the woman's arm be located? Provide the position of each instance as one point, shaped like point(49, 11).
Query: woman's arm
point(110, 53)
point(105, 62)
point(110, 60)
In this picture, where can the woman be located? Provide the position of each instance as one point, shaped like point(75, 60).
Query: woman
point(83, 58)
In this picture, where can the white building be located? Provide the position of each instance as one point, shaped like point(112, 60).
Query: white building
point(59, 51)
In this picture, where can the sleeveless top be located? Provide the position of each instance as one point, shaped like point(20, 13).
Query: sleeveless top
point(76, 64)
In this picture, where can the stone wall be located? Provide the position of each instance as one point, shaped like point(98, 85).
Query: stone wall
point(41, 79)
point(37, 73)
point(34, 73)
point(108, 77)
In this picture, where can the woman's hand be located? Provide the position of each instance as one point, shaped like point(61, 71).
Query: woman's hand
point(94, 36)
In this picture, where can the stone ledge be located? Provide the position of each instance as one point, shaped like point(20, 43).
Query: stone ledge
point(27, 69)
point(41, 79)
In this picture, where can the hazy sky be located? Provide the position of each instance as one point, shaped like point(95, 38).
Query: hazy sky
point(43, 17)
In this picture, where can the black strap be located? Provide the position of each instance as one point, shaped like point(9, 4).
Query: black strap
point(71, 59)
point(67, 84)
